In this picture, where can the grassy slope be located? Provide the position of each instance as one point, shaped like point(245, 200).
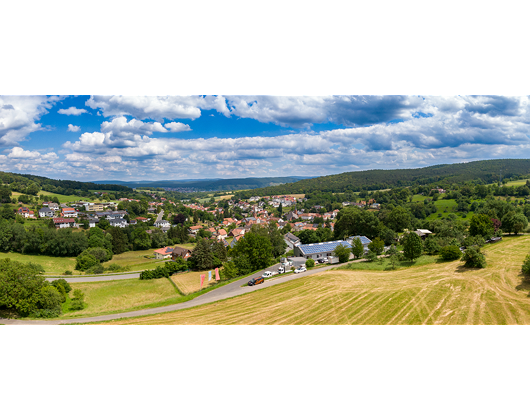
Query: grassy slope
point(430, 294)
point(52, 265)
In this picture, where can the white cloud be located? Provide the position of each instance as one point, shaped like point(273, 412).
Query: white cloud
point(33, 155)
point(176, 127)
point(157, 107)
point(73, 128)
point(18, 115)
point(72, 111)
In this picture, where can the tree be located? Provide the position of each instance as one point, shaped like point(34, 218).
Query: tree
point(520, 222)
point(202, 255)
point(412, 246)
point(482, 225)
point(357, 248)
point(310, 263)
point(104, 224)
point(343, 252)
point(179, 219)
point(254, 251)
point(377, 246)
point(474, 258)
point(280, 210)
point(7, 212)
point(78, 302)
point(398, 219)
point(450, 253)
point(431, 245)
point(229, 271)
point(24, 291)
point(394, 261)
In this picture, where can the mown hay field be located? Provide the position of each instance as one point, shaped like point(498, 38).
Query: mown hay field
point(437, 293)
point(191, 282)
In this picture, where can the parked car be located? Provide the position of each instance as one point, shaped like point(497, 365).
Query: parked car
point(255, 281)
point(281, 270)
point(267, 274)
point(323, 260)
point(300, 269)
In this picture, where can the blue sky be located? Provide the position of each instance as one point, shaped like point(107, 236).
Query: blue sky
point(181, 137)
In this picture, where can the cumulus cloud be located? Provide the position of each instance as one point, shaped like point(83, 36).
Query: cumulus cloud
point(157, 107)
point(34, 155)
point(176, 127)
point(18, 116)
point(73, 128)
point(72, 111)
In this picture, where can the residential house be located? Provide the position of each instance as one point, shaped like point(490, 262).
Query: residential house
point(194, 229)
point(24, 212)
point(46, 212)
point(51, 205)
point(291, 240)
point(92, 222)
point(180, 252)
point(237, 232)
point(118, 222)
point(94, 207)
point(163, 253)
point(162, 223)
point(69, 212)
point(62, 222)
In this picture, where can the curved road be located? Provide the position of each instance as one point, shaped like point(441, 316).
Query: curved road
point(228, 291)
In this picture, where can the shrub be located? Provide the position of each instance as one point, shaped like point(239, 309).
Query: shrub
point(342, 252)
point(229, 271)
point(377, 246)
point(371, 256)
point(78, 302)
point(474, 240)
point(68, 273)
point(474, 258)
point(310, 263)
point(114, 268)
point(96, 269)
point(526, 265)
point(84, 262)
point(394, 261)
point(66, 286)
point(431, 246)
point(450, 253)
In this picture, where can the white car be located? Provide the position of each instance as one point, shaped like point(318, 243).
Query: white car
point(267, 274)
point(300, 270)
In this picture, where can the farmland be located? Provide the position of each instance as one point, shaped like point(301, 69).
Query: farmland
point(436, 293)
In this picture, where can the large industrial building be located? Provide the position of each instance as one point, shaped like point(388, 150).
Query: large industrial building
point(317, 251)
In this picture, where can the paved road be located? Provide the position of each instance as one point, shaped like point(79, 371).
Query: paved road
point(228, 291)
point(159, 217)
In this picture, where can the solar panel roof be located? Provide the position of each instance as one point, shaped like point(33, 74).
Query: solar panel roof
point(364, 239)
point(322, 247)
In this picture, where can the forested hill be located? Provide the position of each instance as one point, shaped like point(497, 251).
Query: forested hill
point(215, 184)
point(486, 171)
point(32, 184)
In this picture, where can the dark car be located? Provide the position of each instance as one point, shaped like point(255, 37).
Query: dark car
point(257, 280)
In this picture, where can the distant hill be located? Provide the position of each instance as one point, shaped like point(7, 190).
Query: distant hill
point(211, 184)
point(486, 171)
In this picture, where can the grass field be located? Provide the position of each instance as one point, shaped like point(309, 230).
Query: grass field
point(108, 296)
point(444, 293)
point(383, 264)
point(191, 282)
point(52, 265)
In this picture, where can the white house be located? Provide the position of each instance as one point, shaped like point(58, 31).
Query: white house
point(122, 223)
point(162, 223)
point(46, 212)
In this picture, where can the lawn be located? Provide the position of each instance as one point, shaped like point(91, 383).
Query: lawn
point(383, 264)
point(108, 296)
point(435, 293)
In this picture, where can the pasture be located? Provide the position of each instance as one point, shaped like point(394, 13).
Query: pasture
point(436, 293)
point(51, 265)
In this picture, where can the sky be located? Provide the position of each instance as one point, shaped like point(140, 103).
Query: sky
point(134, 138)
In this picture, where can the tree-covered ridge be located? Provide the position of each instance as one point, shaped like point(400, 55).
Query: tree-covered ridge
point(484, 171)
point(32, 184)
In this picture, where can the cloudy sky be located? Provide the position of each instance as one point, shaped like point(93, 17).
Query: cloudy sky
point(184, 137)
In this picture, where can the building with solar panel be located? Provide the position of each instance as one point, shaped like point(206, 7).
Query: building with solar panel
point(364, 240)
point(320, 250)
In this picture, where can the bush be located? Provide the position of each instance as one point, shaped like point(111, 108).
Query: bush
point(310, 263)
point(342, 252)
point(450, 253)
point(84, 262)
point(371, 256)
point(96, 269)
point(377, 246)
point(474, 258)
point(526, 265)
point(474, 240)
point(68, 273)
point(66, 286)
point(78, 302)
point(431, 246)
